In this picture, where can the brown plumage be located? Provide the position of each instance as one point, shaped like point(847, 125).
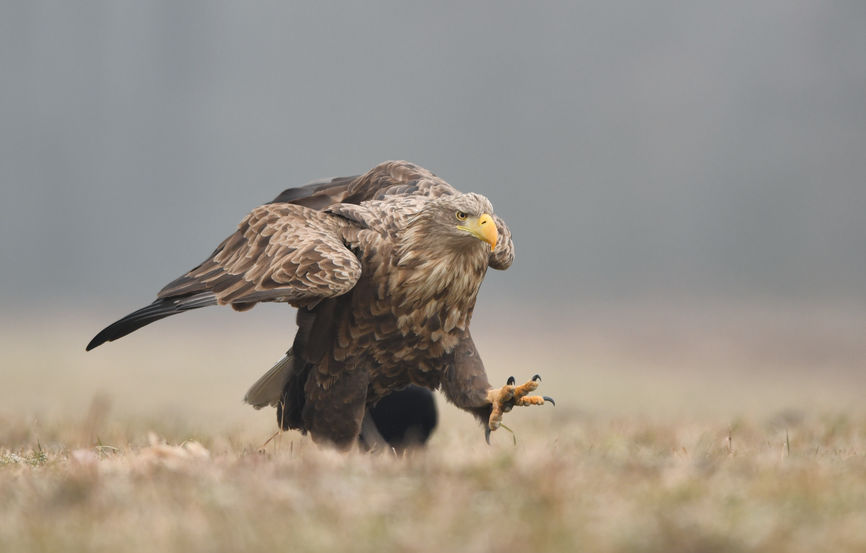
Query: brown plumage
point(384, 269)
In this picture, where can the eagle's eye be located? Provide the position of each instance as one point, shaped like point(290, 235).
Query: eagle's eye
point(460, 216)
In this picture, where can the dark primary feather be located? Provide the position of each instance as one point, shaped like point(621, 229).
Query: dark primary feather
point(159, 309)
point(316, 195)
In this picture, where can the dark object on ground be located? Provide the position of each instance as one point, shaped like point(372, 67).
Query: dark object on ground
point(404, 419)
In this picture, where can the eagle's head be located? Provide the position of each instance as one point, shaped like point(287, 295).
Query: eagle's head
point(463, 222)
point(442, 256)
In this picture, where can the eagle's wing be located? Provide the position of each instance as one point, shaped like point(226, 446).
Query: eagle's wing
point(388, 179)
point(391, 178)
point(280, 252)
point(503, 255)
point(291, 250)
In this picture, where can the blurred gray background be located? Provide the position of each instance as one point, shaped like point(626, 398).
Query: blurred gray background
point(635, 148)
point(686, 184)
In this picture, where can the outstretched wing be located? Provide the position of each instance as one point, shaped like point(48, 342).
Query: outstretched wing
point(291, 250)
point(280, 252)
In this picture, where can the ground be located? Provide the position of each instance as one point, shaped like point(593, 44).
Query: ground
point(570, 483)
point(722, 443)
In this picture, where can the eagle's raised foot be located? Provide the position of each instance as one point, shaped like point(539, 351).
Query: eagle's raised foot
point(504, 398)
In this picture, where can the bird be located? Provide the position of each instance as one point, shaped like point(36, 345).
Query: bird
point(384, 269)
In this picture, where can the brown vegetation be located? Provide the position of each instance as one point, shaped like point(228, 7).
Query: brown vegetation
point(745, 450)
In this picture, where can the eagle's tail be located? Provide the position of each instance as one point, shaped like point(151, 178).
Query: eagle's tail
point(269, 388)
point(159, 309)
point(283, 387)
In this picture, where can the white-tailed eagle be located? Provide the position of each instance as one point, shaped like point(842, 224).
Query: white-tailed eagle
point(384, 269)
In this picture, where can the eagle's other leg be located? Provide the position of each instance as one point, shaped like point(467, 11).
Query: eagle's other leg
point(504, 398)
point(335, 404)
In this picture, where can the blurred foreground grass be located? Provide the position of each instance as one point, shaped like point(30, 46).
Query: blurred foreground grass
point(572, 483)
point(711, 429)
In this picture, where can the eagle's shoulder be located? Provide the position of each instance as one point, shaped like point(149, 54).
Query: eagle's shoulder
point(388, 179)
point(386, 216)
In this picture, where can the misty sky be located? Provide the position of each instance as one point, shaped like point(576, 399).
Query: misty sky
point(635, 148)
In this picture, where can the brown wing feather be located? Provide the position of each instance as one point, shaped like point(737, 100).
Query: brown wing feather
point(390, 178)
point(280, 252)
point(502, 257)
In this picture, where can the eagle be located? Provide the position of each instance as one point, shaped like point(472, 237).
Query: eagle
point(384, 269)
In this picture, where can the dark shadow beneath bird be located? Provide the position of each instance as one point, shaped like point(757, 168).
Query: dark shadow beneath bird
point(405, 420)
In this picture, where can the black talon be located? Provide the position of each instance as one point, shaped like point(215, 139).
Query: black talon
point(536, 378)
point(550, 399)
point(487, 434)
point(510, 381)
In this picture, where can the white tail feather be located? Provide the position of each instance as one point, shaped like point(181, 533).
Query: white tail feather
point(269, 388)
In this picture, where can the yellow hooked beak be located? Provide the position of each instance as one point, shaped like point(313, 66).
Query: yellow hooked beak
point(483, 228)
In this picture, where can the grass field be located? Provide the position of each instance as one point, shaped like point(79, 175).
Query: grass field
point(656, 444)
point(570, 484)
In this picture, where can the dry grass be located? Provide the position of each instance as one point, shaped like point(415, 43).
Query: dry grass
point(570, 484)
point(757, 442)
